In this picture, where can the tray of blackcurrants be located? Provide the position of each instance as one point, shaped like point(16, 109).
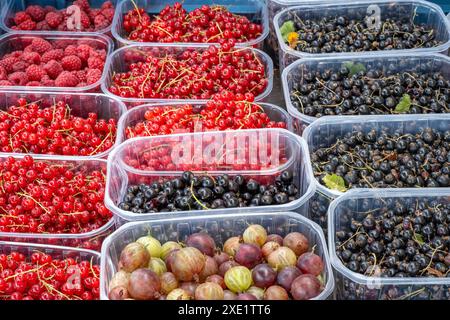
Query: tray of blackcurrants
point(197, 21)
point(264, 256)
point(391, 245)
point(407, 151)
point(209, 173)
point(350, 28)
point(366, 85)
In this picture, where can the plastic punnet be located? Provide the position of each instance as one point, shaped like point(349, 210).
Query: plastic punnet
point(81, 104)
point(293, 74)
point(269, 152)
point(135, 115)
point(119, 62)
point(357, 204)
point(418, 10)
point(220, 227)
point(325, 131)
point(254, 10)
point(11, 7)
point(90, 239)
point(17, 41)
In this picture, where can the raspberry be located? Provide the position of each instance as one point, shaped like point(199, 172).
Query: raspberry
point(71, 63)
point(55, 54)
point(96, 63)
point(93, 13)
point(83, 4)
point(108, 13)
point(54, 19)
point(66, 79)
point(93, 76)
point(15, 54)
point(5, 83)
point(70, 50)
point(85, 21)
point(107, 5)
point(27, 25)
point(8, 63)
point(50, 9)
point(43, 26)
point(40, 45)
point(3, 73)
point(81, 84)
point(47, 82)
point(21, 17)
point(101, 22)
point(32, 57)
point(53, 69)
point(18, 78)
point(20, 66)
point(36, 12)
point(81, 75)
point(33, 84)
point(84, 52)
point(35, 73)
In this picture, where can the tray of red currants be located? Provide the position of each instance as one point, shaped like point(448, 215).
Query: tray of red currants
point(175, 22)
point(47, 272)
point(266, 256)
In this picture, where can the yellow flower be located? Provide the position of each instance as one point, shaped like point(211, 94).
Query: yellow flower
point(292, 38)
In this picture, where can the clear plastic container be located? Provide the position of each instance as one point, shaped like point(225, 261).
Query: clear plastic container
point(17, 41)
point(81, 104)
point(119, 62)
point(293, 74)
point(214, 152)
point(135, 115)
point(254, 10)
point(358, 203)
point(220, 227)
point(325, 131)
point(92, 239)
point(11, 7)
point(419, 10)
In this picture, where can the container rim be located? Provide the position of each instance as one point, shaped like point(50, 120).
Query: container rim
point(35, 32)
point(379, 193)
point(109, 61)
point(121, 106)
point(295, 113)
point(77, 36)
point(123, 119)
point(49, 246)
point(334, 120)
point(286, 49)
point(120, 12)
point(330, 283)
point(129, 216)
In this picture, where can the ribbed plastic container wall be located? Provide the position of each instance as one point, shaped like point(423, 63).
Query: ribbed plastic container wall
point(325, 131)
point(81, 105)
point(418, 10)
point(356, 205)
point(136, 115)
point(11, 7)
point(220, 227)
point(14, 41)
point(120, 60)
point(215, 152)
point(92, 239)
point(254, 10)
point(293, 75)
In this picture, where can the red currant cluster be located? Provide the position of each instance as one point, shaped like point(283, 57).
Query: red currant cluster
point(31, 128)
point(206, 24)
point(225, 111)
point(41, 277)
point(51, 197)
point(191, 74)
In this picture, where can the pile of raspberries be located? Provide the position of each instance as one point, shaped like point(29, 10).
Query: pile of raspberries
point(40, 18)
point(53, 64)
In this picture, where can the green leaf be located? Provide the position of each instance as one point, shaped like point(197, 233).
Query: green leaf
point(321, 279)
point(354, 68)
point(335, 182)
point(287, 28)
point(418, 238)
point(404, 105)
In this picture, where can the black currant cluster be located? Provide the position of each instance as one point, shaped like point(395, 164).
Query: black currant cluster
point(190, 192)
point(380, 159)
point(381, 89)
point(403, 238)
point(342, 34)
